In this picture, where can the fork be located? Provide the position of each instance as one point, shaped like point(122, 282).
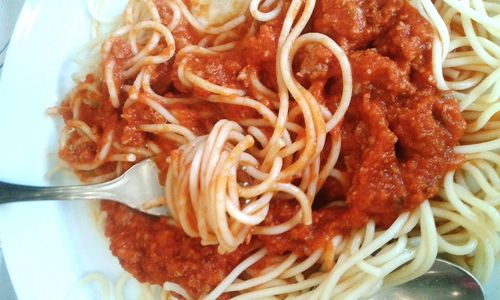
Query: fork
point(137, 188)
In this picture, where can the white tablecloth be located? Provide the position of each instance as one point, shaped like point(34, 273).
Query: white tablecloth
point(9, 10)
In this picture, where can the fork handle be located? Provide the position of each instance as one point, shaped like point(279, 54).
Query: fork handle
point(16, 192)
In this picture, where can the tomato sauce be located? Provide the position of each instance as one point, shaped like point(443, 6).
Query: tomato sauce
point(397, 136)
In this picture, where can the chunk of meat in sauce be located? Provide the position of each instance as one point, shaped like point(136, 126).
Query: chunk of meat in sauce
point(353, 24)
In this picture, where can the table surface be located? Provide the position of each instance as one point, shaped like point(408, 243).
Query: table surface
point(6, 289)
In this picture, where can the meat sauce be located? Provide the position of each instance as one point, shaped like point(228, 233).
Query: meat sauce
point(397, 136)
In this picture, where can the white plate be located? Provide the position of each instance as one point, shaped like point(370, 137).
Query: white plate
point(49, 246)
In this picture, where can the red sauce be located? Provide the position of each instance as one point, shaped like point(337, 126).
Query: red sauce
point(170, 254)
point(397, 136)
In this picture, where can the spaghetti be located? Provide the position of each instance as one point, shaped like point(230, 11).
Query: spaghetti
point(313, 149)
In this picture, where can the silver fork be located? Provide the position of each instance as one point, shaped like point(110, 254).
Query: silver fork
point(138, 188)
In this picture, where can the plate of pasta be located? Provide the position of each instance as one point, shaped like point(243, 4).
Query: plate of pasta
point(308, 149)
